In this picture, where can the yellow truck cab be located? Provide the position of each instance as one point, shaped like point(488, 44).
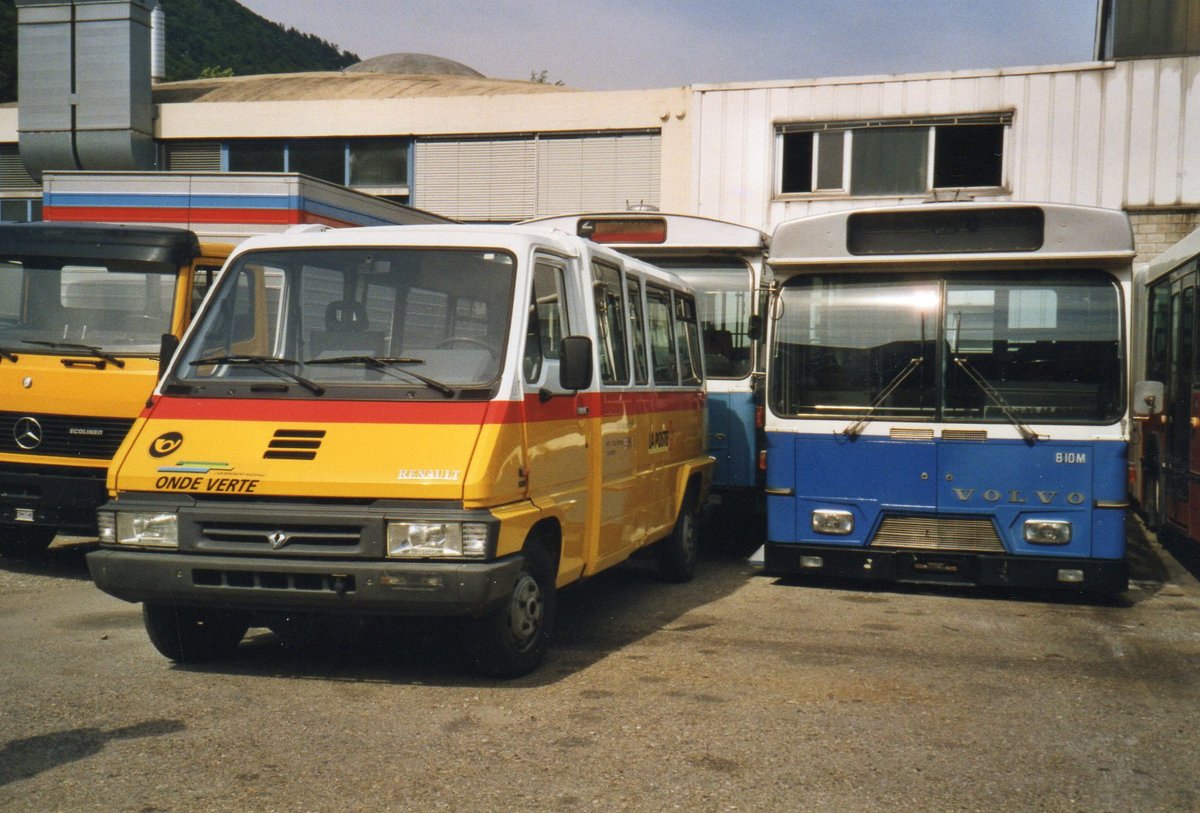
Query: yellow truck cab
point(83, 308)
point(443, 420)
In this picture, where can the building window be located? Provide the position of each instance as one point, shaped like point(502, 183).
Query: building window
point(888, 158)
point(20, 210)
point(379, 164)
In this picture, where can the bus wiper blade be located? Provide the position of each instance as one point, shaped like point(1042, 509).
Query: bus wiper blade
point(384, 363)
point(86, 348)
point(1030, 436)
point(269, 364)
point(5, 353)
point(855, 429)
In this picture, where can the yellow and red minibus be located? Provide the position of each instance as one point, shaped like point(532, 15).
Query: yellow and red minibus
point(447, 420)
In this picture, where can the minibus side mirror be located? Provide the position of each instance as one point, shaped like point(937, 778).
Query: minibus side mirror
point(1147, 398)
point(575, 363)
point(166, 349)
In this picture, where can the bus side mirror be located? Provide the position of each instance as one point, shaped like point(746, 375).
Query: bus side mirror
point(1147, 398)
point(166, 349)
point(575, 363)
point(754, 329)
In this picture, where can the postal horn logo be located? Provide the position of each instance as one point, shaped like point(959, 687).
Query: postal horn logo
point(165, 444)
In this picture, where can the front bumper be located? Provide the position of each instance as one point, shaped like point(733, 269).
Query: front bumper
point(65, 498)
point(271, 584)
point(1099, 576)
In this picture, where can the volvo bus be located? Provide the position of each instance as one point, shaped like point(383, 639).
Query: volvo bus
point(946, 392)
point(1165, 466)
point(441, 420)
point(723, 261)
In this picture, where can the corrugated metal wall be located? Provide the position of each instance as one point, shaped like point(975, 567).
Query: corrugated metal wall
point(1123, 135)
point(514, 178)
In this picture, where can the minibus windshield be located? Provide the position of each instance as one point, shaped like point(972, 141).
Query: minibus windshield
point(384, 321)
point(87, 308)
point(980, 347)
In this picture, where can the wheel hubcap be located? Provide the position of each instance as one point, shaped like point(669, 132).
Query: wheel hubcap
point(525, 611)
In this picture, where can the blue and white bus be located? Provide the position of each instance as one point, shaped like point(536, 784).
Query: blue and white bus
point(946, 395)
point(723, 262)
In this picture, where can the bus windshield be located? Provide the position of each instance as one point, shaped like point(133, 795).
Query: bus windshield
point(724, 294)
point(385, 319)
point(979, 347)
point(54, 306)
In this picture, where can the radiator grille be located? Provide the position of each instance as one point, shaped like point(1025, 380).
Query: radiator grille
point(276, 536)
point(62, 435)
point(934, 533)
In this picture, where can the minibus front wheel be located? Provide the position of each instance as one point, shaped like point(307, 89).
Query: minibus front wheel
point(191, 634)
point(512, 639)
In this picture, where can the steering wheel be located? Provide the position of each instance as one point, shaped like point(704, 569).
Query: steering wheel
point(468, 340)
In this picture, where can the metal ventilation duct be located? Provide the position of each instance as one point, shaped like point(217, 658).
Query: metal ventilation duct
point(84, 85)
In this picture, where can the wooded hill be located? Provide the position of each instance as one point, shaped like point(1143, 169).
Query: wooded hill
point(207, 37)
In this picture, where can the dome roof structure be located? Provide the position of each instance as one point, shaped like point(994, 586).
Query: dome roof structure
point(408, 64)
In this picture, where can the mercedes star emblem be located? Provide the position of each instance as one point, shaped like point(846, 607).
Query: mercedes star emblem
point(28, 433)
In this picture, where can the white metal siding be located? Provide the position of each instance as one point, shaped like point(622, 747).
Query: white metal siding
point(1120, 135)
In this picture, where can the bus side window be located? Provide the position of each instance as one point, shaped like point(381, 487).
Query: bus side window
point(662, 336)
point(687, 336)
point(610, 316)
point(637, 330)
point(547, 319)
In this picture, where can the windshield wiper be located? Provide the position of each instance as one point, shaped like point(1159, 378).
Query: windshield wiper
point(1030, 436)
point(855, 429)
point(384, 364)
point(270, 364)
point(5, 353)
point(87, 348)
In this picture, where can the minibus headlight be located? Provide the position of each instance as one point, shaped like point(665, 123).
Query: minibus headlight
point(1047, 531)
point(422, 540)
point(151, 529)
point(828, 521)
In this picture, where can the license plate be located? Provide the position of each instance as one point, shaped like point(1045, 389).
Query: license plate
point(24, 515)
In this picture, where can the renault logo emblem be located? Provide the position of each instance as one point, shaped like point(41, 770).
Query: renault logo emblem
point(278, 540)
point(28, 433)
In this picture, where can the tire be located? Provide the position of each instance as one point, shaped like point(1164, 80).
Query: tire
point(512, 639)
point(17, 542)
point(192, 635)
point(1152, 501)
point(676, 555)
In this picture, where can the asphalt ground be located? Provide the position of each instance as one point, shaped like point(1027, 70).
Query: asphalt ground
point(733, 692)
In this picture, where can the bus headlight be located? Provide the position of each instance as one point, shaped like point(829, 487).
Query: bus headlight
point(1047, 531)
point(423, 540)
point(829, 521)
point(149, 529)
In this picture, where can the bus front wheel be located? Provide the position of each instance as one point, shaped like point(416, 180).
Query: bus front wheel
point(676, 555)
point(193, 635)
point(512, 639)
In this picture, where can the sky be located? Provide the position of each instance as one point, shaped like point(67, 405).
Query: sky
point(631, 44)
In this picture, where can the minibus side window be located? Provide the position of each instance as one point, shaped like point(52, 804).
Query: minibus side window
point(662, 336)
point(637, 330)
point(687, 336)
point(547, 319)
point(610, 315)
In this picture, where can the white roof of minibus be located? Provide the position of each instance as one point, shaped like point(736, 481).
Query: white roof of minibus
point(1175, 256)
point(821, 239)
point(518, 239)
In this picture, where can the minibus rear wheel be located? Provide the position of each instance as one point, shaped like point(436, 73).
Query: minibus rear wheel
point(676, 555)
point(513, 638)
point(193, 635)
